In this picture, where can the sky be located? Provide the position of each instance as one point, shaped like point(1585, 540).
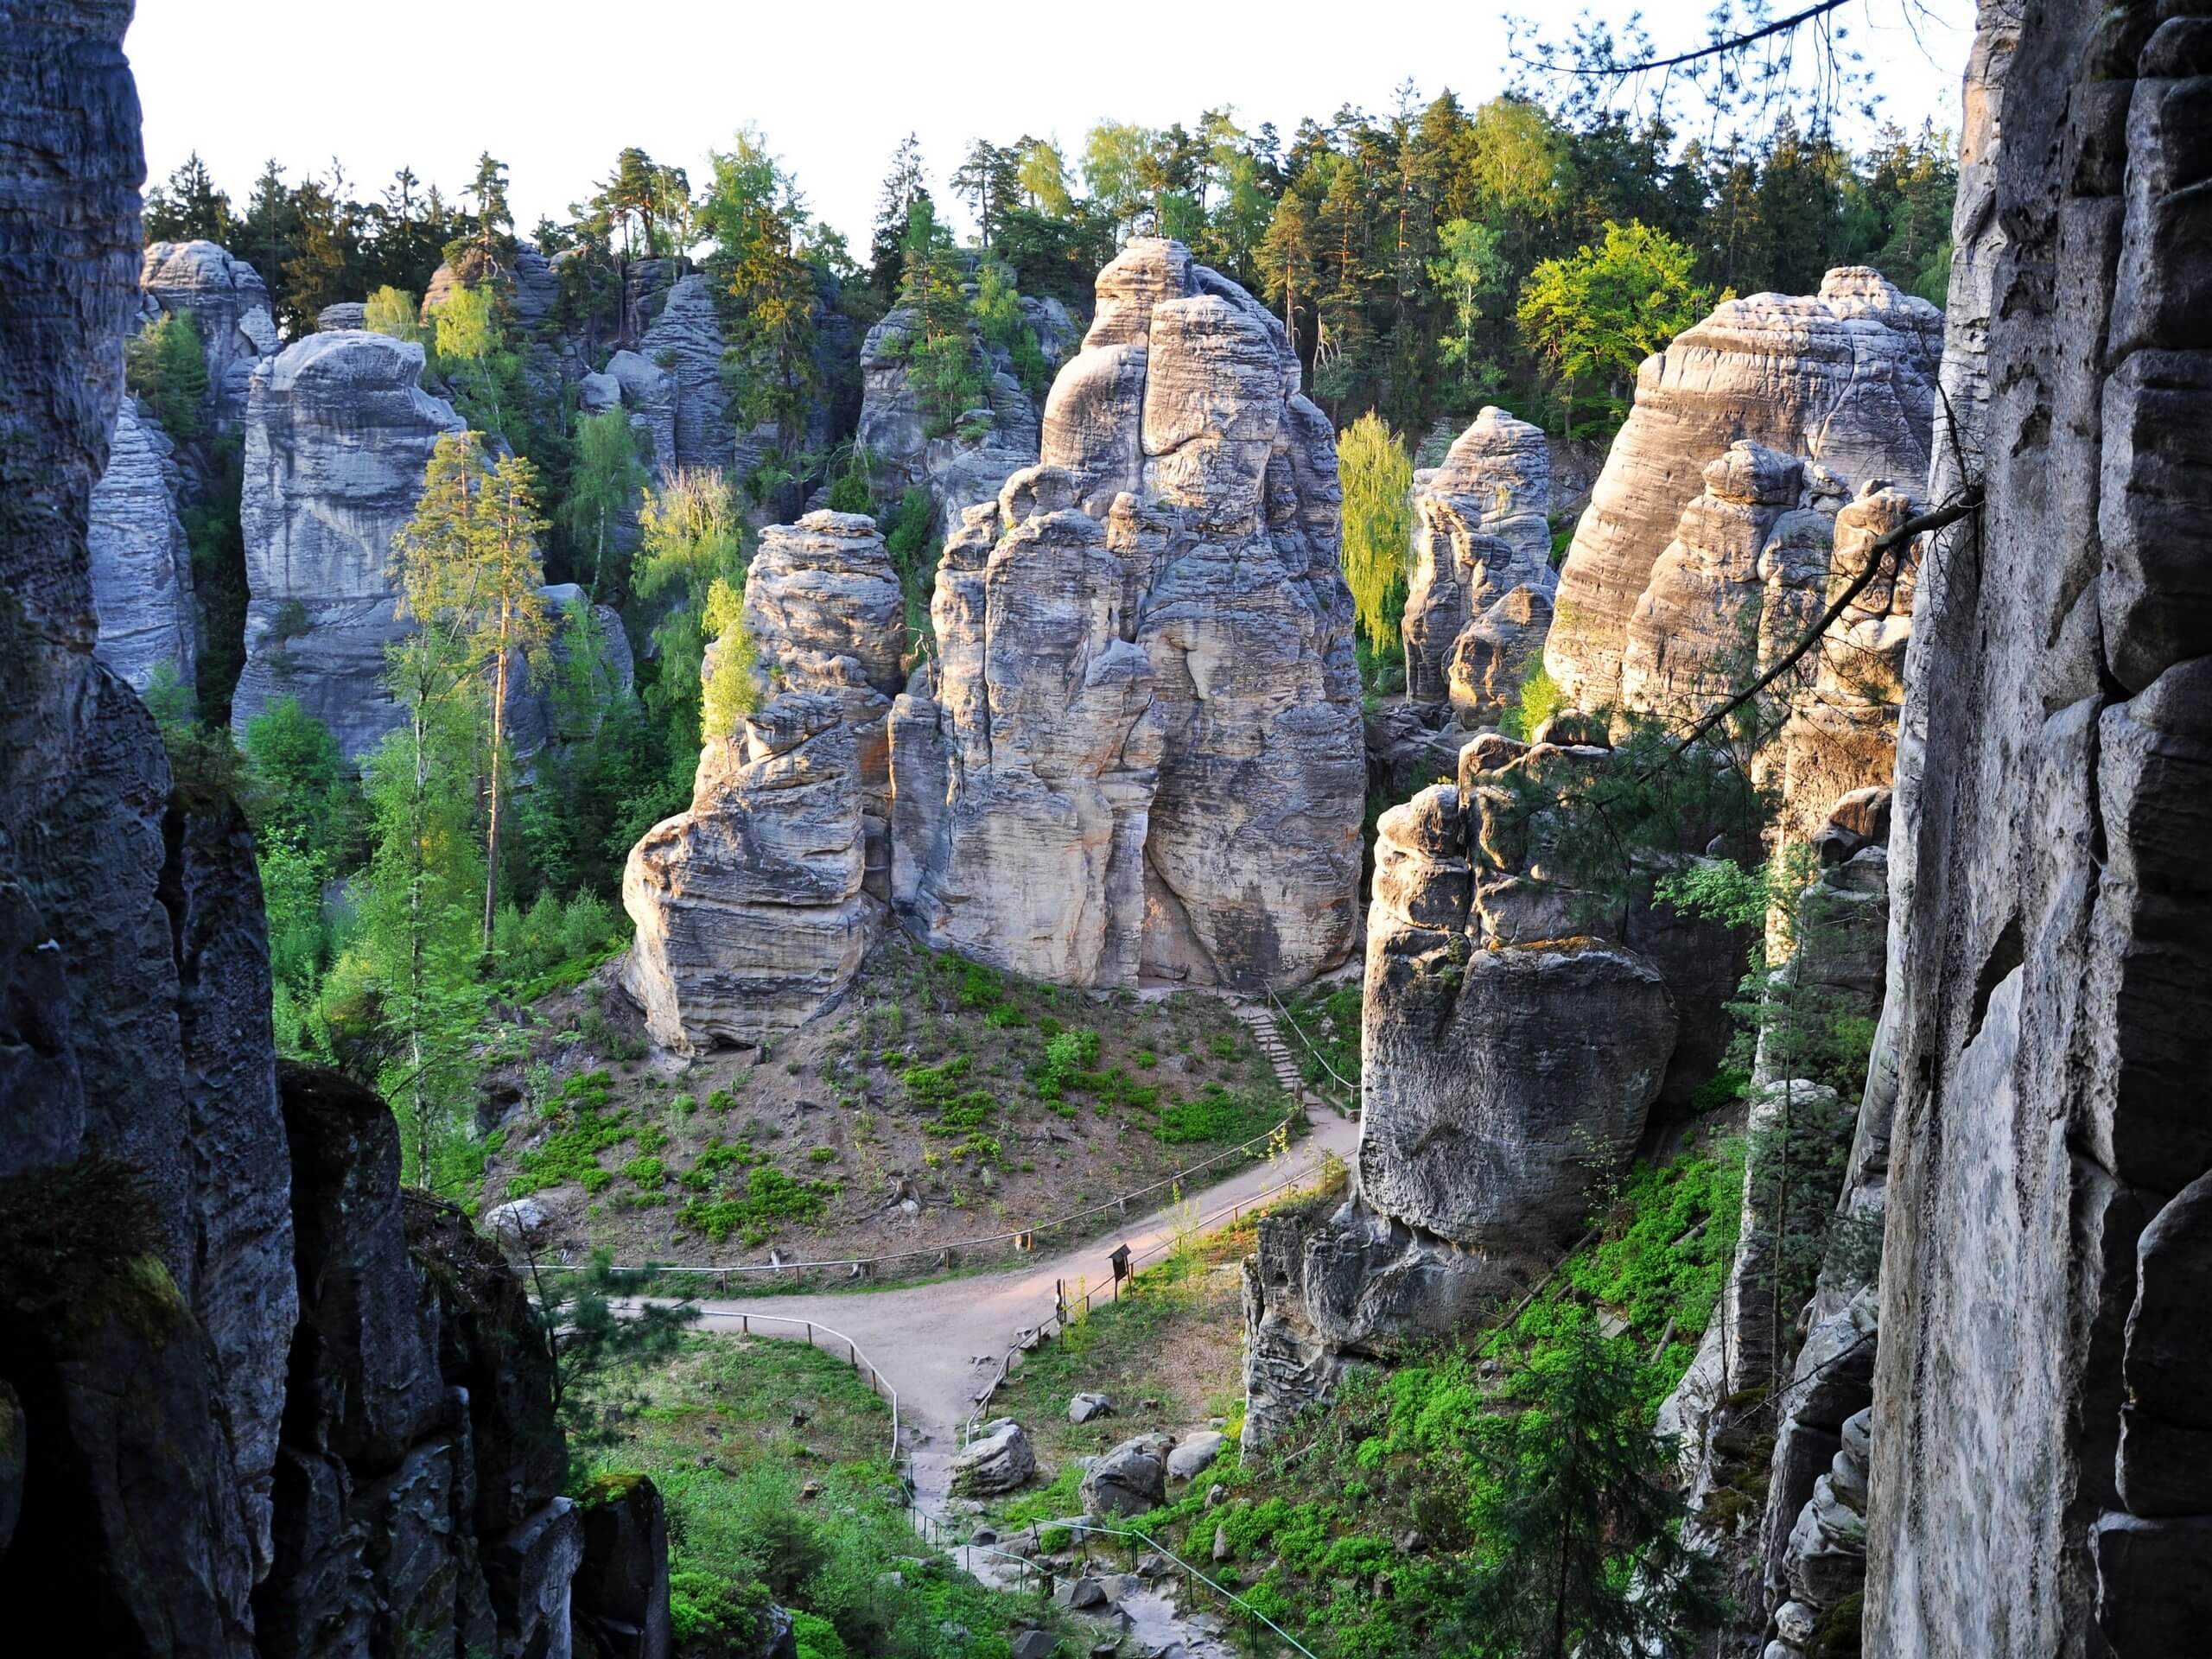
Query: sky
point(555, 88)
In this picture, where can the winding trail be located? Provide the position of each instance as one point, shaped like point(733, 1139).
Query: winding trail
point(939, 1344)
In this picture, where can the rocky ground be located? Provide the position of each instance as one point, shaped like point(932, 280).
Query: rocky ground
point(938, 1103)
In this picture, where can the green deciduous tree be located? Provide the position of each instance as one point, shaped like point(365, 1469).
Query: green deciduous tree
point(393, 311)
point(691, 538)
point(1604, 308)
point(1378, 480)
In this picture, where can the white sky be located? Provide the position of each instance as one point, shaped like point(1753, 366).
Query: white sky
point(555, 87)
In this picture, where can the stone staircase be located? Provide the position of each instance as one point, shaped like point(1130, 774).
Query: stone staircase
point(1260, 1020)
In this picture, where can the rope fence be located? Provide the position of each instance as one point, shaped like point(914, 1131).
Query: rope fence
point(1023, 1239)
point(1289, 1019)
point(1064, 1305)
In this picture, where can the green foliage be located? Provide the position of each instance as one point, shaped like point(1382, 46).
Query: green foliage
point(759, 223)
point(1600, 312)
point(603, 483)
point(553, 945)
point(913, 555)
point(393, 311)
point(732, 690)
point(691, 538)
point(212, 529)
point(770, 1197)
point(593, 1339)
point(300, 788)
point(1378, 477)
point(1539, 699)
point(165, 365)
point(1221, 1116)
point(582, 1128)
point(1580, 1496)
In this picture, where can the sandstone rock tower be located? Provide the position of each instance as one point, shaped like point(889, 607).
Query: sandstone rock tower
point(1138, 748)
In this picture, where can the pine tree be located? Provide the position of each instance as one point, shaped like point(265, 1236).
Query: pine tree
point(189, 207)
point(1580, 1518)
point(902, 187)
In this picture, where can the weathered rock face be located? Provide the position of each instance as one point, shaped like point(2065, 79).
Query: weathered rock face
point(686, 341)
point(1481, 534)
point(751, 908)
point(958, 470)
point(338, 430)
point(228, 300)
point(1138, 745)
point(2038, 1462)
point(1846, 378)
point(998, 1459)
point(141, 563)
point(166, 1471)
point(1493, 654)
point(1691, 637)
point(1509, 1058)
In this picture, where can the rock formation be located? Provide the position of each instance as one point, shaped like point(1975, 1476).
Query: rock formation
point(1514, 1037)
point(965, 467)
point(1138, 747)
point(141, 563)
point(338, 430)
point(1481, 536)
point(751, 908)
point(226, 300)
point(2039, 1468)
point(1844, 378)
point(243, 1415)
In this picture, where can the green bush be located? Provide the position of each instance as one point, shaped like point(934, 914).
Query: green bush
point(769, 1196)
point(1219, 1114)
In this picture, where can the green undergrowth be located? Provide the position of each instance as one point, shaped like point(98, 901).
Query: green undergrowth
point(773, 1460)
point(1312, 1525)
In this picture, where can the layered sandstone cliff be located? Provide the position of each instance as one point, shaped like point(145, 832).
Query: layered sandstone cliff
point(227, 301)
point(140, 562)
point(1138, 748)
point(1845, 378)
point(2040, 1481)
point(253, 1404)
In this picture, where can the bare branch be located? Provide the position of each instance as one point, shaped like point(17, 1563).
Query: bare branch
point(1712, 49)
point(1877, 555)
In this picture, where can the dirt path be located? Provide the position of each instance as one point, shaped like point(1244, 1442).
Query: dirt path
point(938, 1344)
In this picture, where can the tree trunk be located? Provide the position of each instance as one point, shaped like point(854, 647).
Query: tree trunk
point(498, 740)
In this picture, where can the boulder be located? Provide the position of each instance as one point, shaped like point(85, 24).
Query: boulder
point(1130, 1479)
point(338, 432)
point(998, 1459)
point(1084, 1408)
point(517, 1221)
point(1035, 1644)
point(141, 563)
point(1480, 533)
point(1138, 747)
point(345, 314)
point(1194, 1454)
point(1845, 376)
